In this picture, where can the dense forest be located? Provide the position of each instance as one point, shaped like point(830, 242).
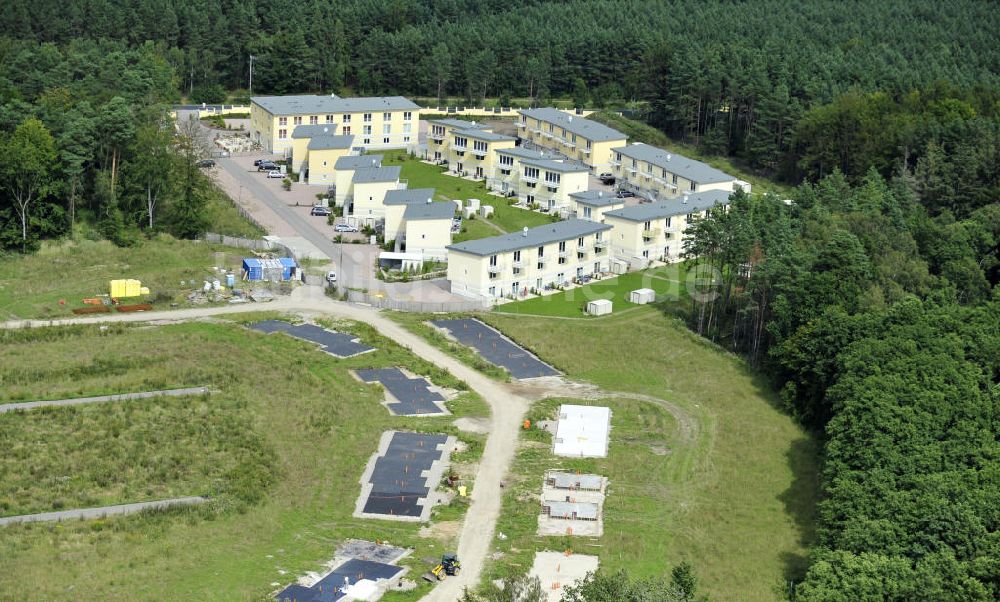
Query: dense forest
point(869, 296)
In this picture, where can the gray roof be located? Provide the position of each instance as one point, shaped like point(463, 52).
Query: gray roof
point(566, 480)
point(596, 198)
point(689, 169)
point(534, 237)
point(523, 153)
point(584, 510)
point(328, 142)
point(556, 165)
point(591, 130)
point(461, 124)
point(409, 196)
point(483, 135)
point(697, 201)
point(311, 131)
point(358, 161)
point(310, 104)
point(368, 175)
point(435, 210)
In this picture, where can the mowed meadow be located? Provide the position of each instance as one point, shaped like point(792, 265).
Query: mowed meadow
point(279, 446)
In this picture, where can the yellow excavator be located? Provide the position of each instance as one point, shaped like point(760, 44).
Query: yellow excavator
point(449, 566)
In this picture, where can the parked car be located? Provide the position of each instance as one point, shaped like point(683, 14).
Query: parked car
point(345, 228)
point(331, 276)
point(607, 178)
point(267, 166)
point(624, 194)
point(320, 211)
point(274, 173)
point(257, 162)
point(205, 163)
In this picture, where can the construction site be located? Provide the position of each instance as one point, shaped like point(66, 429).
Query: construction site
point(572, 504)
point(582, 431)
point(405, 393)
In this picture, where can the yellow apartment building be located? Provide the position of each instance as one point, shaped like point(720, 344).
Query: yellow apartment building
point(583, 140)
point(396, 202)
point(535, 259)
point(593, 204)
point(655, 231)
point(506, 174)
point(301, 136)
point(418, 223)
point(550, 182)
point(344, 169)
point(439, 133)
point(370, 185)
point(656, 174)
point(473, 152)
point(376, 122)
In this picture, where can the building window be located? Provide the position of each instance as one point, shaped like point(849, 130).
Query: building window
point(282, 134)
point(385, 140)
point(407, 115)
point(479, 145)
point(586, 212)
point(297, 120)
point(493, 261)
point(367, 141)
point(407, 128)
point(506, 160)
point(493, 291)
point(531, 172)
point(368, 117)
point(386, 128)
point(668, 222)
point(688, 217)
point(618, 157)
point(329, 118)
point(551, 177)
point(673, 179)
point(313, 119)
point(406, 138)
point(367, 130)
point(347, 118)
point(646, 226)
point(282, 121)
point(694, 187)
point(347, 130)
point(460, 142)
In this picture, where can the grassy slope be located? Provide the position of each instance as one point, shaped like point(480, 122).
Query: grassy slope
point(638, 131)
point(322, 424)
point(667, 281)
point(738, 501)
point(32, 286)
point(505, 217)
point(223, 218)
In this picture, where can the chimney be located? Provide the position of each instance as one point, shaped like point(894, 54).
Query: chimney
point(524, 232)
point(326, 129)
point(668, 157)
point(429, 200)
point(685, 199)
point(600, 194)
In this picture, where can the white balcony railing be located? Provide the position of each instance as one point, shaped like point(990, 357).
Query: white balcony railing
point(495, 269)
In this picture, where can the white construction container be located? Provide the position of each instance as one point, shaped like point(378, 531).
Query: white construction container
point(642, 296)
point(599, 307)
point(458, 203)
point(486, 210)
point(474, 204)
point(468, 212)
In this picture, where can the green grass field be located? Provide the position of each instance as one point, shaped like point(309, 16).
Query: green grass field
point(667, 281)
point(506, 218)
point(32, 286)
point(736, 495)
point(320, 423)
point(223, 218)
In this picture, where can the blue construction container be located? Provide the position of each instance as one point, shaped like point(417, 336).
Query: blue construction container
point(281, 269)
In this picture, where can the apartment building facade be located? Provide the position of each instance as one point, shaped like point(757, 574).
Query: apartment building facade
point(655, 231)
point(439, 136)
point(370, 185)
point(550, 182)
point(535, 259)
point(344, 169)
point(572, 136)
point(376, 122)
point(506, 175)
point(658, 175)
point(593, 204)
point(473, 153)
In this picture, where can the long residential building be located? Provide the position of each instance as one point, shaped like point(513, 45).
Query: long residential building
point(657, 174)
point(535, 259)
point(575, 137)
point(439, 136)
point(655, 231)
point(375, 122)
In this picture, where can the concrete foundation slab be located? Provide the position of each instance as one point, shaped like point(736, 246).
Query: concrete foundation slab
point(556, 570)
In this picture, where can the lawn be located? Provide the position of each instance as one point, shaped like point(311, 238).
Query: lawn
point(738, 498)
point(736, 494)
point(667, 281)
point(506, 218)
point(33, 286)
point(282, 394)
point(223, 217)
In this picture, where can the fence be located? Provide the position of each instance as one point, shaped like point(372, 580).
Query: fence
point(255, 244)
point(418, 306)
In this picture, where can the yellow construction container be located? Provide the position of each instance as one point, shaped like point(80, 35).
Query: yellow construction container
point(121, 289)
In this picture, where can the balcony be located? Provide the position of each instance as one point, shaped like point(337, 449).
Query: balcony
point(479, 154)
point(567, 143)
point(543, 259)
point(459, 148)
point(563, 253)
point(585, 150)
point(517, 264)
point(521, 124)
point(632, 170)
point(613, 163)
point(525, 178)
point(436, 137)
point(495, 269)
point(582, 248)
point(649, 233)
point(600, 244)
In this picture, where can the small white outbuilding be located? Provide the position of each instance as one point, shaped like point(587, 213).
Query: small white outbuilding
point(599, 307)
point(486, 211)
point(642, 296)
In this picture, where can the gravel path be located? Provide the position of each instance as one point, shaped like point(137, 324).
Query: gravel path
point(100, 512)
point(27, 405)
